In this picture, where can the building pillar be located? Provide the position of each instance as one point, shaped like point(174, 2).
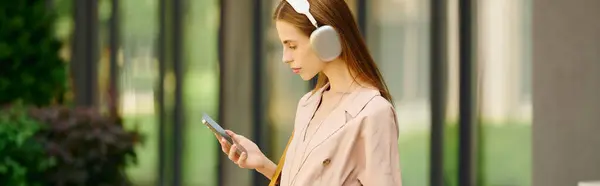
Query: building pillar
point(566, 92)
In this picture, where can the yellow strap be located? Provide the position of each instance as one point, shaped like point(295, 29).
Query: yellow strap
point(277, 177)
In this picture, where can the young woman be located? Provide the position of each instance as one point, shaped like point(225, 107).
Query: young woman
point(345, 131)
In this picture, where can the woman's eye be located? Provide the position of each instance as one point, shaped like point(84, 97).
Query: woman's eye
point(292, 47)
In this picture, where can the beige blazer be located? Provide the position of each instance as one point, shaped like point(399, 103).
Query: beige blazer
point(356, 145)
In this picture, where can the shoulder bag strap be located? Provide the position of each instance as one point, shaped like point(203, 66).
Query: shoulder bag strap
point(277, 177)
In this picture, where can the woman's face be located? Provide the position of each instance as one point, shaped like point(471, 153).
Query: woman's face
point(297, 51)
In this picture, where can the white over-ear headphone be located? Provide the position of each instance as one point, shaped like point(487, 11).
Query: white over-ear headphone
point(324, 40)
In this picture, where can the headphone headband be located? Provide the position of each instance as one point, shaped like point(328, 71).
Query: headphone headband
point(303, 7)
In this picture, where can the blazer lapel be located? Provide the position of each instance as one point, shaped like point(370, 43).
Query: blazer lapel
point(332, 123)
point(351, 106)
point(306, 110)
point(335, 121)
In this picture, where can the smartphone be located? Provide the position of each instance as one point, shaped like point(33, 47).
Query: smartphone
point(217, 129)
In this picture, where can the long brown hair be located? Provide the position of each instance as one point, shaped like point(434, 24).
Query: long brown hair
point(354, 50)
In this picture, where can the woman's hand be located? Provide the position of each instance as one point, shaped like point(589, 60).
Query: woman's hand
point(253, 158)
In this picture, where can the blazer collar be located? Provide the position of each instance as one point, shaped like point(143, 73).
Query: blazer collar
point(353, 104)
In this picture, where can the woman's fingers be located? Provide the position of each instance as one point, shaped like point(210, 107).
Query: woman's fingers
point(242, 159)
point(232, 153)
point(224, 146)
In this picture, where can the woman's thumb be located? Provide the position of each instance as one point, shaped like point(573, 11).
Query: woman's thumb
point(230, 133)
point(234, 136)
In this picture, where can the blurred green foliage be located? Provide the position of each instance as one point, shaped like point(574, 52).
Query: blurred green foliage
point(31, 69)
point(23, 160)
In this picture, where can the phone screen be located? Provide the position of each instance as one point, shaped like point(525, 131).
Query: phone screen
point(217, 129)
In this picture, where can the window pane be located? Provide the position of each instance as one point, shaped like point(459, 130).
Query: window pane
point(63, 26)
point(103, 66)
point(137, 62)
point(200, 91)
point(398, 36)
point(451, 128)
point(504, 60)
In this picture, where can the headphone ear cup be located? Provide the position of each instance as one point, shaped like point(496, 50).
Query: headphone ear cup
point(325, 41)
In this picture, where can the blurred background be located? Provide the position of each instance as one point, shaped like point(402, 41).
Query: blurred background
point(461, 73)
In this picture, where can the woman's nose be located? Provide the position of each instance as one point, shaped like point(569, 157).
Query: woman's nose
point(286, 59)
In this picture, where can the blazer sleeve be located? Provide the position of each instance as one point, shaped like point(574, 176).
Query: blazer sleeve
point(379, 133)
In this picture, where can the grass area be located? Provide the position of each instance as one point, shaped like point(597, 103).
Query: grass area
point(146, 171)
point(504, 155)
point(199, 156)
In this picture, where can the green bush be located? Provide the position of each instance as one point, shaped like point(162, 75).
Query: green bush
point(90, 149)
point(30, 67)
point(64, 146)
point(23, 161)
